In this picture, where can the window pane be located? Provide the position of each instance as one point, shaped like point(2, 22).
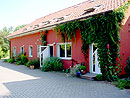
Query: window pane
point(68, 47)
point(62, 50)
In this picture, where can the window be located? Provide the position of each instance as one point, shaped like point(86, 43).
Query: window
point(22, 50)
point(64, 50)
point(38, 50)
point(14, 51)
point(30, 51)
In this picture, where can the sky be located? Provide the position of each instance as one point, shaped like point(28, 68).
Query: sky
point(19, 12)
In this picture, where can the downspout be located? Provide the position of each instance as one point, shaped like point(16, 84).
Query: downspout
point(10, 48)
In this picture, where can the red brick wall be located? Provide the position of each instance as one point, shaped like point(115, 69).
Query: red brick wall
point(31, 39)
point(125, 40)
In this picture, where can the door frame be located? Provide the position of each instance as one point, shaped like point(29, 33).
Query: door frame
point(91, 60)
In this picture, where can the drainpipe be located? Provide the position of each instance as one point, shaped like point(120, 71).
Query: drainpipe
point(10, 48)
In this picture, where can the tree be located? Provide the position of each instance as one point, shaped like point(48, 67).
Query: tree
point(19, 27)
point(4, 42)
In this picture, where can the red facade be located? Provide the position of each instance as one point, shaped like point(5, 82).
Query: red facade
point(34, 40)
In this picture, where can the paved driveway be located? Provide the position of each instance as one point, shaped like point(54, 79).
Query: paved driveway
point(21, 82)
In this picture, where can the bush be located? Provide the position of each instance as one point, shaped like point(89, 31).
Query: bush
point(5, 60)
point(82, 68)
point(28, 64)
point(123, 84)
point(11, 60)
point(75, 69)
point(127, 68)
point(24, 59)
point(99, 77)
point(36, 63)
point(21, 59)
point(52, 64)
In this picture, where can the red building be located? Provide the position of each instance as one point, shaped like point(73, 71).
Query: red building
point(28, 38)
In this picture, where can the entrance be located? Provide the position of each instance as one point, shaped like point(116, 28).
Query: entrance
point(45, 52)
point(93, 59)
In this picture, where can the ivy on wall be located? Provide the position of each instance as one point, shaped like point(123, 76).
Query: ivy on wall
point(44, 38)
point(101, 29)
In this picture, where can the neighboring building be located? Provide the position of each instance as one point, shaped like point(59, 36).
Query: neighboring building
point(27, 39)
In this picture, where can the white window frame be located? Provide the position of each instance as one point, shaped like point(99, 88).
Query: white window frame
point(14, 51)
point(38, 51)
point(30, 51)
point(58, 51)
point(49, 48)
point(21, 49)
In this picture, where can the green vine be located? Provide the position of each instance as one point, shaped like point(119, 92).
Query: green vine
point(44, 38)
point(101, 29)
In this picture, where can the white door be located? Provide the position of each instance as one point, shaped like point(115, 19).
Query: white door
point(93, 59)
point(44, 53)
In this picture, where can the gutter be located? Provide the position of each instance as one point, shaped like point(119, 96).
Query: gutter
point(52, 26)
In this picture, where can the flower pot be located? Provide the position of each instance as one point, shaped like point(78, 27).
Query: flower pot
point(31, 66)
point(83, 72)
point(78, 74)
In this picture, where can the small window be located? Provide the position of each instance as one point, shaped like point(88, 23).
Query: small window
point(30, 51)
point(64, 50)
point(38, 50)
point(14, 51)
point(22, 50)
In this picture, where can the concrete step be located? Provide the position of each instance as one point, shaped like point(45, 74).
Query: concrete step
point(89, 76)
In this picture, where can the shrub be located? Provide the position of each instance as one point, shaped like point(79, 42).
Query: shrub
point(127, 68)
point(123, 84)
point(21, 59)
point(74, 69)
point(5, 60)
point(11, 60)
point(99, 77)
point(28, 64)
point(24, 59)
point(52, 64)
point(82, 68)
point(36, 63)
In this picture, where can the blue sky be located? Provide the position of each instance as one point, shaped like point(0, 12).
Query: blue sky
point(18, 12)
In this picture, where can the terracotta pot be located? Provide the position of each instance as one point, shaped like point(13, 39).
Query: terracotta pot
point(83, 72)
point(32, 67)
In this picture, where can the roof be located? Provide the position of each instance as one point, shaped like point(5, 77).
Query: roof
point(79, 11)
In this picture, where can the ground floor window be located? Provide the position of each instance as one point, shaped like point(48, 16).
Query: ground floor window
point(30, 51)
point(14, 51)
point(64, 50)
point(22, 50)
point(38, 50)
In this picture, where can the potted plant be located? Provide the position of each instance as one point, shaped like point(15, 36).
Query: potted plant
point(32, 65)
point(82, 69)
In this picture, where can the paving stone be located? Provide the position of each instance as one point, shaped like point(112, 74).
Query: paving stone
point(21, 82)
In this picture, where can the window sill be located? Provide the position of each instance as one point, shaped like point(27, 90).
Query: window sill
point(30, 56)
point(65, 58)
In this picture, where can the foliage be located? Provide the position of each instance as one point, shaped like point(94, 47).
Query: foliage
point(100, 29)
point(99, 77)
point(36, 63)
point(11, 60)
point(44, 38)
point(75, 69)
point(21, 59)
point(127, 68)
point(5, 60)
point(18, 27)
point(52, 64)
point(28, 64)
point(4, 42)
point(123, 83)
point(82, 68)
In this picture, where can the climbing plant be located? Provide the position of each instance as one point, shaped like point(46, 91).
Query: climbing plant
point(44, 38)
point(102, 29)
